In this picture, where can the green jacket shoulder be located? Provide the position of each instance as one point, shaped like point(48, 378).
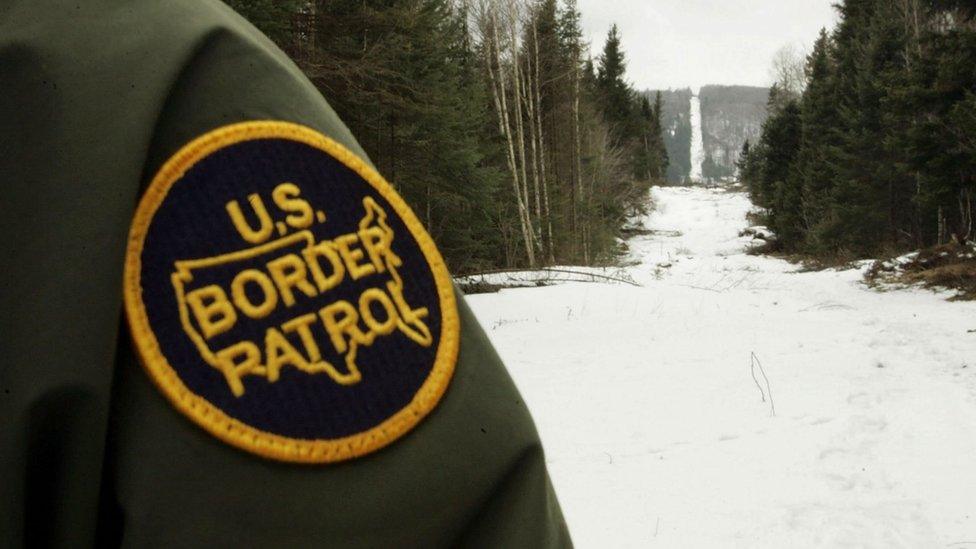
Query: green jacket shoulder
point(99, 94)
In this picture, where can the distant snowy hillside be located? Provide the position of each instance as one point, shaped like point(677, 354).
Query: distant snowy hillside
point(729, 116)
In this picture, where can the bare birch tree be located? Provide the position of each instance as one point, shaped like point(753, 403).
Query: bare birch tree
point(545, 214)
point(487, 24)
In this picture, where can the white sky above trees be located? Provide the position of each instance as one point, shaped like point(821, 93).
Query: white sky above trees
point(680, 43)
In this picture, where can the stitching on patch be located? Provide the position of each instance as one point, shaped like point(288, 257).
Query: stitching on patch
point(210, 417)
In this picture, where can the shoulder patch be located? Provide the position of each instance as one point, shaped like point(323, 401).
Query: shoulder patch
point(285, 298)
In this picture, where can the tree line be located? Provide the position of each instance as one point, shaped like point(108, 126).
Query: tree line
point(513, 146)
point(875, 150)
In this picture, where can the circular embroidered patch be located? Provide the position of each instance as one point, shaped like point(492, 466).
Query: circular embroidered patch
point(285, 298)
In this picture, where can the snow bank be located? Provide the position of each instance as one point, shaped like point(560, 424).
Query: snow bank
point(657, 434)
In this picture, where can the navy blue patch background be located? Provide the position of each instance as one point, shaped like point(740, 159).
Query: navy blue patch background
point(192, 223)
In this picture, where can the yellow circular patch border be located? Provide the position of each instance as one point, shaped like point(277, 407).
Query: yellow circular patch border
point(211, 418)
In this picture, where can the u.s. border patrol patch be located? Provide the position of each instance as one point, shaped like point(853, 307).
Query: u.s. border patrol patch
point(285, 298)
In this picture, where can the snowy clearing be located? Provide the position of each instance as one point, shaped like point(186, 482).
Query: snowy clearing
point(657, 434)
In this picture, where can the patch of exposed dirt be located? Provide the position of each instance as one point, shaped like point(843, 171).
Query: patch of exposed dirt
point(950, 266)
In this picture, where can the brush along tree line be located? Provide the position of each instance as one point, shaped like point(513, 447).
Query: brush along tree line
point(513, 146)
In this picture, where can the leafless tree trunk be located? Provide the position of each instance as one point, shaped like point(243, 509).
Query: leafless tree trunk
point(488, 23)
point(542, 149)
point(517, 84)
point(965, 217)
point(577, 168)
point(528, 96)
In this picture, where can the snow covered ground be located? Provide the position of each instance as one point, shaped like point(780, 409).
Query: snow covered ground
point(657, 434)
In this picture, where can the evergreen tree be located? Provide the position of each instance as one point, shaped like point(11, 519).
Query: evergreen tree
point(750, 165)
point(657, 138)
point(742, 163)
point(815, 165)
point(645, 156)
point(781, 192)
point(634, 125)
point(863, 191)
point(615, 94)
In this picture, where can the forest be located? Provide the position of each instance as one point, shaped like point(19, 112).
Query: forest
point(872, 150)
point(512, 144)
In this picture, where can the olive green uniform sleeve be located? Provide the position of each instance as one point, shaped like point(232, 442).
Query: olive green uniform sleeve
point(97, 95)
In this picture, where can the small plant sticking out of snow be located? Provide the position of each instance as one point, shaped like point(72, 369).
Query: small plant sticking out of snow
point(755, 365)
